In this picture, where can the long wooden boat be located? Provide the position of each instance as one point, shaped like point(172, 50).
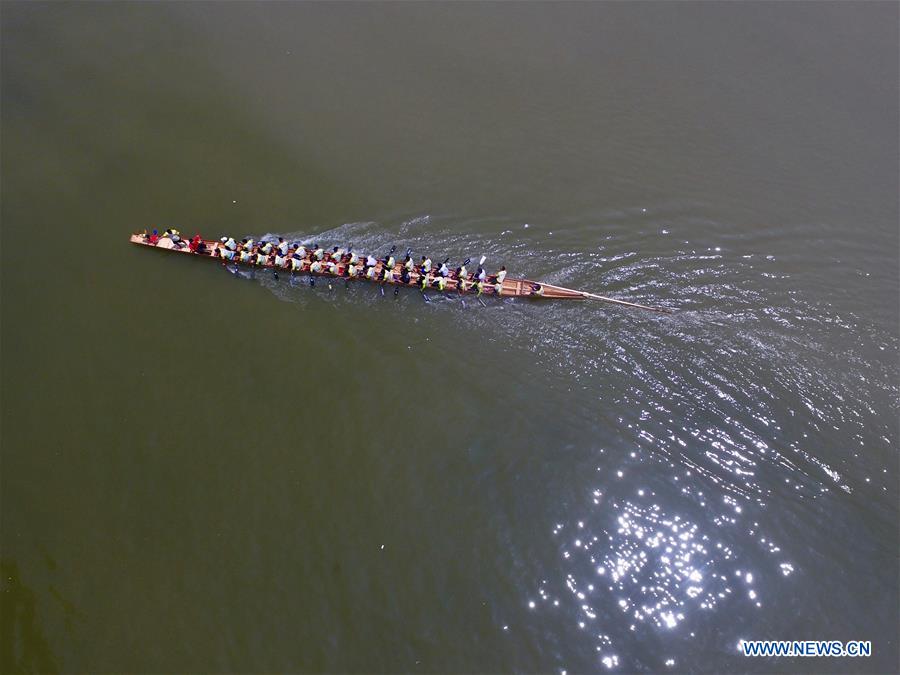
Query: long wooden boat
point(511, 287)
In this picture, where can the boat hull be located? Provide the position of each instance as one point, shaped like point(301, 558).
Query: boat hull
point(511, 287)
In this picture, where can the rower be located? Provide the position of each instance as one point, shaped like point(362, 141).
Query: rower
point(444, 270)
point(248, 243)
point(154, 237)
point(175, 236)
point(336, 254)
point(370, 261)
point(224, 252)
point(462, 285)
point(498, 288)
point(296, 263)
point(333, 268)
point(537, 290)
point(441, 283)
point(426, 264)
point(462, 272)
point(352, 270)
point(501, 275)
point(404, 274)
point(195, 243)
point(481, 275)
point(245, 251)
point(261, 257)
point(480, 286)
point(389, 262)
point(425, 280)
point(231, 244)
point(282, 247)
point(318, 252)
point(408, 263)
point(280, 259)
point(387, 274)
point(266, 247)
point(353, 257)
point(370, 272)
point(315, 267)
point(301, 251)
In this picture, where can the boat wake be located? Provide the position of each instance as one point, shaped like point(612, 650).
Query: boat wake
point(696, 435)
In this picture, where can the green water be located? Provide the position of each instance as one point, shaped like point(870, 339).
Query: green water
point(204, 473)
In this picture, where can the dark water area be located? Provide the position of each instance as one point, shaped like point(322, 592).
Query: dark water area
point(202, 472)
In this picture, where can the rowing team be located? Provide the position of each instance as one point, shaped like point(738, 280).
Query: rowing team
point(338, 262)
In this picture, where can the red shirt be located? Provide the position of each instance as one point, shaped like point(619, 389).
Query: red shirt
point(153, 238)
point(195, 242)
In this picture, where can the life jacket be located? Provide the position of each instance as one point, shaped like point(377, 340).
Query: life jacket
point(354, 258)
point(427, 265)
point(231, 244)
point(408, 264)
point(391, 262)
point(319, 253)
point(463, 273)
point(332, 268)
point(480, 287)
point(441, 282)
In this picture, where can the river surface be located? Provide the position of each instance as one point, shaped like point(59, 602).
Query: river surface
point(208, 473)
